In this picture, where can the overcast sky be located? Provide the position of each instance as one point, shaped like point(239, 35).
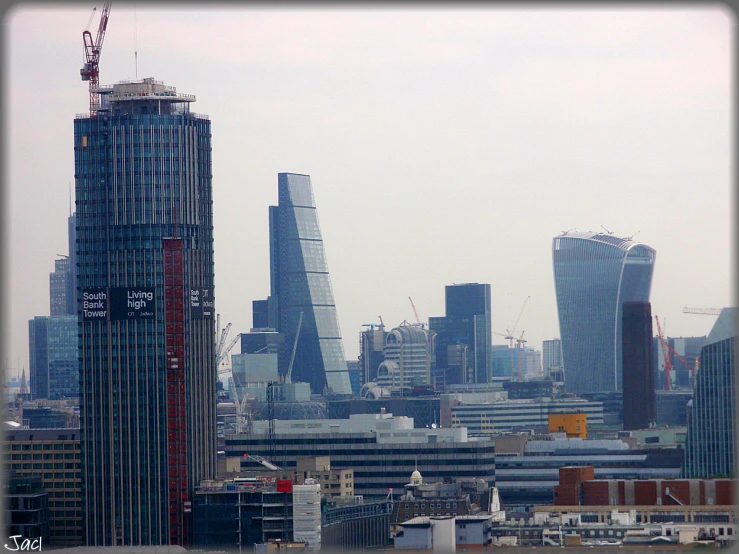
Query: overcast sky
point(444, 145)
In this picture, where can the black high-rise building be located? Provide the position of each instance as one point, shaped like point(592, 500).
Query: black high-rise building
point(145, 299)
point(638, 374)
point(464, 335)
point(301, 293)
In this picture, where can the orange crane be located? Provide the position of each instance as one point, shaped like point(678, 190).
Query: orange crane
point(665, 353)
point(91, 69)
point(415, 312)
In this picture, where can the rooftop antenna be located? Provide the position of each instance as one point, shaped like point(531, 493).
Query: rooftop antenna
point(135, 43)
point(632, 236)
point(606, 230)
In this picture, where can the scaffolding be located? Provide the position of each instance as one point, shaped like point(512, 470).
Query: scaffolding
point(174, 318)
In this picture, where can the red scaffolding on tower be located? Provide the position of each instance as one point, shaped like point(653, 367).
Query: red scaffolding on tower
point(174, 321)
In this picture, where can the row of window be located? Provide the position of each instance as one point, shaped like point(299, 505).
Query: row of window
point(41, 446)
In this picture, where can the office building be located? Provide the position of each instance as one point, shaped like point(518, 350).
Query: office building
point(711, 439)
point(551, 353)
point(506, 415)
point(463, 335)
point(383, 450)
point(53, 457)
point(38, 356)
point(594, 274)
point(146, 298)
point(59, 287)
point(407, 354)
point(301, 290)
point(26, 513)
point(371, 352)
point(638, 375)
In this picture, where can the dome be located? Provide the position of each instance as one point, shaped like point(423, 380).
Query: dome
point(292, 411)
point(416, 478)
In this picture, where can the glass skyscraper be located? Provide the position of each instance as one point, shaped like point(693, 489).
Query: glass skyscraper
point(463, 336)
point(300, 284)
point(711, 439)
point(594, 274)
point(145, 303)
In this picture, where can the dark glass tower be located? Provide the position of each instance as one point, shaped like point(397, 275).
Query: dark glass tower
point(711, 439)
point(145, 301)
point(638, 374)
point(300, 284)
point(464, 335)
point(38, 356)
point(594, 274)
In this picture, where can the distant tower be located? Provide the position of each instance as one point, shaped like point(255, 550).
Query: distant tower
point(594, 274)
point(638, 376)
point(59, 287)
point(300, 283)
point(711, 439)
point(148, 377)
point(464, 334)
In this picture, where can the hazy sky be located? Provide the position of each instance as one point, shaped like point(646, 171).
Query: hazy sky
point(444, 145)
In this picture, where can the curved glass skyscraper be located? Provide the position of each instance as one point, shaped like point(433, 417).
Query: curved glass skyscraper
point(300, 284)
point(594, 274)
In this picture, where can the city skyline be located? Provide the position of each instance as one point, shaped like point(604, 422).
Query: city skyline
point(445, 146)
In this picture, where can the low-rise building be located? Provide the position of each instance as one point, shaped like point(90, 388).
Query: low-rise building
point(333, 483)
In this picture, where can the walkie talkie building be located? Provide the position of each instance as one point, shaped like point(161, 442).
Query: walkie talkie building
point(145, 303)
point(594, 274)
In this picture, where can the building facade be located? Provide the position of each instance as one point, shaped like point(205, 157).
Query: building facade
point(638, 375)
point(301, 290)
point(145, 299)
point(59, 287)
point(407, 354)
point(52, 456)
point(594, 274)
point(711, 438)
point(383, 450)
point(38, 356)
point(464, 335)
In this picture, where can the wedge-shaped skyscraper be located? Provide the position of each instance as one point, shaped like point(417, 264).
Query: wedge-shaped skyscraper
point(301, 293)
point(594, 274)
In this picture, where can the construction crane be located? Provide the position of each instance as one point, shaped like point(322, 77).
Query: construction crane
point(415, 312)
point(511, 330)
point(520, 341)
point(702, 311)
point(288, 375)
point(665, 353)
point(221, 347)
point(91, 69)
point(382, 324)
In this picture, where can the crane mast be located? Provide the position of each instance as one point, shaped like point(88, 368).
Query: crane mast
point(91, 69)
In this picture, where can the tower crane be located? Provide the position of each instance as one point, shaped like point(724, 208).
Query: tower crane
point(520, 341)
point(702, 311)
point(221, 347)
point(665, 353)
point(91, 69)
point(415, 312)
point(512, 330)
